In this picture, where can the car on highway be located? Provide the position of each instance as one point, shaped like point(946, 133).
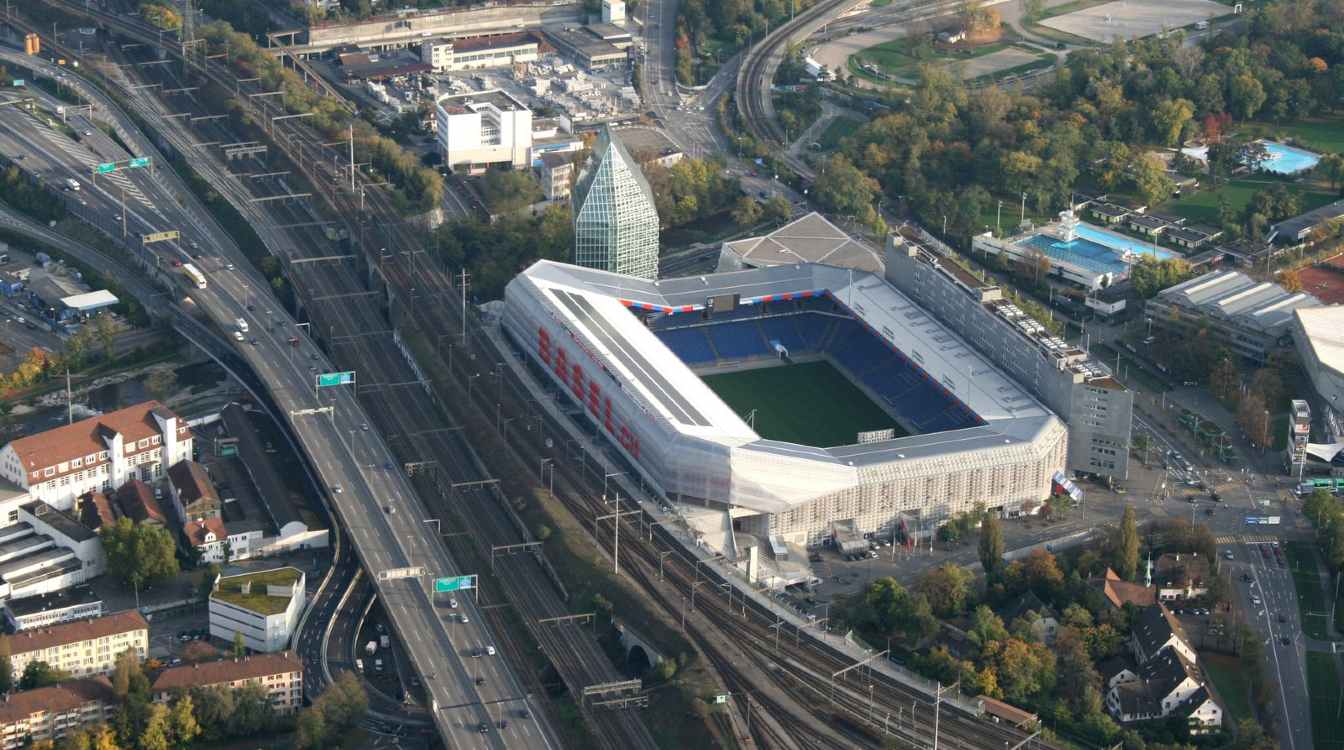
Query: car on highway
point(480, 681)
point(464, 620)
point(364, 427)
point(452, 604)
point(483, 727)
point(388, 509)
point(238, 336)
point(489, 650)
point(337, 489)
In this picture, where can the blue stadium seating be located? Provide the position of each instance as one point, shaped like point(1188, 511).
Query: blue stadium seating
point(689, 344)
point(738, 340)
point(865, 355)
point(783, 331)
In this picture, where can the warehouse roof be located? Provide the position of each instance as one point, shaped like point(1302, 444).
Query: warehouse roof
point(1234, 296)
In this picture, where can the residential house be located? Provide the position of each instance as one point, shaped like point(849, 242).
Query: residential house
point(193, 494)
point(1164, 678)
point(50, 713)
point(1154, 629)
point(82, 647)
point(210, 538)
point(1147, 224)
point(136, 501)
point(1192, 238)
point(98, 453)
point(281, 674)
point(1181, 576)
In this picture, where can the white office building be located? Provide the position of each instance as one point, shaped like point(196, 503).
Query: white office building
point(264, 606)
point(483, 128)
point(95, 454)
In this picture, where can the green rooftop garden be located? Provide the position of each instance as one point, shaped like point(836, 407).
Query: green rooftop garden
point(230, 590)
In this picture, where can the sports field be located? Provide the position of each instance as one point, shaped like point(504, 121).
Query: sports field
point(810, 403)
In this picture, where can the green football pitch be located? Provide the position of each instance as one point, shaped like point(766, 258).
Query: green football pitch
point(810, 403)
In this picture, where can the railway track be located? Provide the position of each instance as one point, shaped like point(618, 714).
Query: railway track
point(575, 655)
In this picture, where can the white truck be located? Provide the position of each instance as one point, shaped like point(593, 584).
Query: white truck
point(370, 647)
point(242, 325)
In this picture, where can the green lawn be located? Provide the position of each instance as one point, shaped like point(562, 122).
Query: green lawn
point(1327, 727)
point(840, 127)
point(1230, 680)
point(810, 403)
point(1310, 600)
point(895, 57)
point(1201, 207)
point(1319, 135)
point(257, 600)
point(1066, 8)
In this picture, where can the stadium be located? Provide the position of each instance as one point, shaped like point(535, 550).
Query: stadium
point(792, 399)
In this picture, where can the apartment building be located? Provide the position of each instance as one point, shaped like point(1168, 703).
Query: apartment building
point(95, 454)
point(82, 647)
point(281, 674)
point(50, 713)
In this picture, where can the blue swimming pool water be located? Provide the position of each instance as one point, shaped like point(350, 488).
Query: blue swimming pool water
point(1094, 250)
point(1288, 160)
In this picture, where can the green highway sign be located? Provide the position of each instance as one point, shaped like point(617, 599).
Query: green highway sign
point(18, 82)
point(106, 168)
point(330, 379)
point(456, 583)
point(139, 161)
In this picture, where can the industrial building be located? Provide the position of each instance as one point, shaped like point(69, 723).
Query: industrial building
point(1251, 318)
point(476, 53)
point(483, 128)
point(615, 217)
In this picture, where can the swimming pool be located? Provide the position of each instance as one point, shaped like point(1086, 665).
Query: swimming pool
point(1284, 159)
point(1094, 249)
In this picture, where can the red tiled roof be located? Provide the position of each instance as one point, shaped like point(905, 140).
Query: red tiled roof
point(63, 697)
point(96, 510)
point(192, 482)
point(138, 504)
point(86, 437)
point(195, 530)
point(1119, 592)
point(75, 631)
point(226, 671)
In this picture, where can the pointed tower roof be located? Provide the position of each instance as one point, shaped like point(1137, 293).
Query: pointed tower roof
point(613, 161)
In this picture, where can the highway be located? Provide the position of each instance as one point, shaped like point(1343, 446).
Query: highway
point(385, 541)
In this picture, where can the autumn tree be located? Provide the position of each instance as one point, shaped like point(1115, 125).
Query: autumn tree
point(1291, 280)
point(1225, 381)
point(138, 553)
point(1125, 552)
point(947, 587)
point(991, 546)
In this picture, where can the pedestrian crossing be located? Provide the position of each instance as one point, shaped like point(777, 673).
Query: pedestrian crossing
point(1246, 539)
point(118, 180)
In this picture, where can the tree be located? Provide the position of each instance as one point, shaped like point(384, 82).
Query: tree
point(161, 382)
point(991, 546)
point(126, 669)
point(1149, 174)
point(947, 588)
point(1291, 280)
point(986, 626)
point(197, 652)
point(1040, 572)
point(746, 212)
point(1170, 118)
point(213, 707)
point(161, 16)
point(182, 722)
point(1224, 381)
point(1151, 276)
point(841, 188)
point(310, 731)
point(252, 712)
point(1253, 417)
point(1125, 556)
point(1246, 96)
point(777, 209)
point(889, 609)
point(157, 734)
point(239, 647)
point(1032, 10)
point(138, 553)
point(38, 674)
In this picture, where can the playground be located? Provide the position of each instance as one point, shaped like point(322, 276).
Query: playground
point(1134, 19)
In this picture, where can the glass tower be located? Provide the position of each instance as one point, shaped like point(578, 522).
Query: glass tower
point(615, 220)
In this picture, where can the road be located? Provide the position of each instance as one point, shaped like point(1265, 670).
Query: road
point(385, 541)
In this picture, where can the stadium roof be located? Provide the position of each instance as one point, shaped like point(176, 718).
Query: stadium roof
point(810, 239)
point(593, 306)
point(1234, 296)
point(1324, 327)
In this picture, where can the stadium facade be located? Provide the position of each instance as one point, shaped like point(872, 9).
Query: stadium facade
point(630, 353)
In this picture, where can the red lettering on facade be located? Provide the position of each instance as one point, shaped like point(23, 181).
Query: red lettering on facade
point(606, 417)
point(594, 398)
point(544, 345)
point(562, 366)
point(576, 382)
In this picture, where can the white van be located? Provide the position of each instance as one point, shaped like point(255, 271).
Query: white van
point(242, 325)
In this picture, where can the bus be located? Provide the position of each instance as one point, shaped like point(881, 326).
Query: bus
point(195, 275)
point(1333, 485)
